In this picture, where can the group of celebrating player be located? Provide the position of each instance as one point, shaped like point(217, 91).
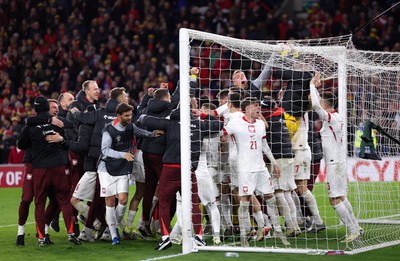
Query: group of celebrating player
point(76, 152)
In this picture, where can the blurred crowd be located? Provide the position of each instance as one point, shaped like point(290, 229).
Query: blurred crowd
point(52, 47)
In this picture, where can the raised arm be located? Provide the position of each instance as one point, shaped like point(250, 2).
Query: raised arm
point(263, 75)
point(315, 81)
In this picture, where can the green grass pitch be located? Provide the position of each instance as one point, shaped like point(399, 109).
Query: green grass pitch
point(141, 249)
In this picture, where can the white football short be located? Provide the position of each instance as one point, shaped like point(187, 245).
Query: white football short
point(206, 187)
point(336, 179)
point(302, 164)
point(234, 176)
point(86, 186)
point(259, 182)
point(113, 185)
point(138, 168)
point(286, 180)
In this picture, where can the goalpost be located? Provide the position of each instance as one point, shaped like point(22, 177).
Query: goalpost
point(367, 85)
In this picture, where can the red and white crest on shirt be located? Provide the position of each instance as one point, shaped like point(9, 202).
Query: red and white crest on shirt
point(245, 189)
point(252, 129)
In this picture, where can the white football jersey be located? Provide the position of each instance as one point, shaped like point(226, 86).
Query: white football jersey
point(331, 131)
point(231, 138)
point(250, 140)
point(300, 138)
point(222, 112)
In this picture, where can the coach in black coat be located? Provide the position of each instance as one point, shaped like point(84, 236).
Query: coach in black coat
point(48, 163)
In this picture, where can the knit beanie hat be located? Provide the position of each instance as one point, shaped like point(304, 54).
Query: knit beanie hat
point(41, 104)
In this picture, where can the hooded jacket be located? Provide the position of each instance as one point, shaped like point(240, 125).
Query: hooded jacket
point(81, 103)
point(198, 128)
point(99, 119)
point(44, 154)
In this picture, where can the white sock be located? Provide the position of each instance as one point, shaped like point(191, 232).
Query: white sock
point(153, 206)
point(311, 203)
point(266, 220)
point(244, 217)
point(112, 221)
point(46, 229)
point(299, 214)
point(343, 213)
point(88, 231)
point(140, 222)
point(226, 210)
point(130, 218)
point(120, 212)
point(179, 211)
point(82, 208)
point(292, 208)
point(273, 213)
point(258, 216)
point(215, 218)
point(176, 230)
point(284, 209)
point(21, 230)
point(353, 219)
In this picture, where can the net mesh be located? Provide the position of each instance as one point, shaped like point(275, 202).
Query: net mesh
point(372, 92)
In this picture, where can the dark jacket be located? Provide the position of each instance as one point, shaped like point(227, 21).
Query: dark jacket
point(159, 109)
point(83, 144)
point(295, 98)
point(314, 139)
point(199, 128)
point(99, 119)
point(255, 92)
point(278, 135)
point(162, 109)
point(81, 103)
point(44, 154)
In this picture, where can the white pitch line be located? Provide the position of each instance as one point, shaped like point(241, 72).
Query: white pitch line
point(14, 225)
point(163, 257)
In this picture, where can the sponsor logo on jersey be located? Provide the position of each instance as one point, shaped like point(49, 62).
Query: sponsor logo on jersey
point(245, 189)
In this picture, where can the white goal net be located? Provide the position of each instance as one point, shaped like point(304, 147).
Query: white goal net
point(366, 86)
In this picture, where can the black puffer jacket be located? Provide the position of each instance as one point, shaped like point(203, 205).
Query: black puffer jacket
point(44, 154)
point(278, 135)
point(159, 109)
point(199, 128)
point(99, 118)
point(81, 103)
point(295, 99)
point(314, 139)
